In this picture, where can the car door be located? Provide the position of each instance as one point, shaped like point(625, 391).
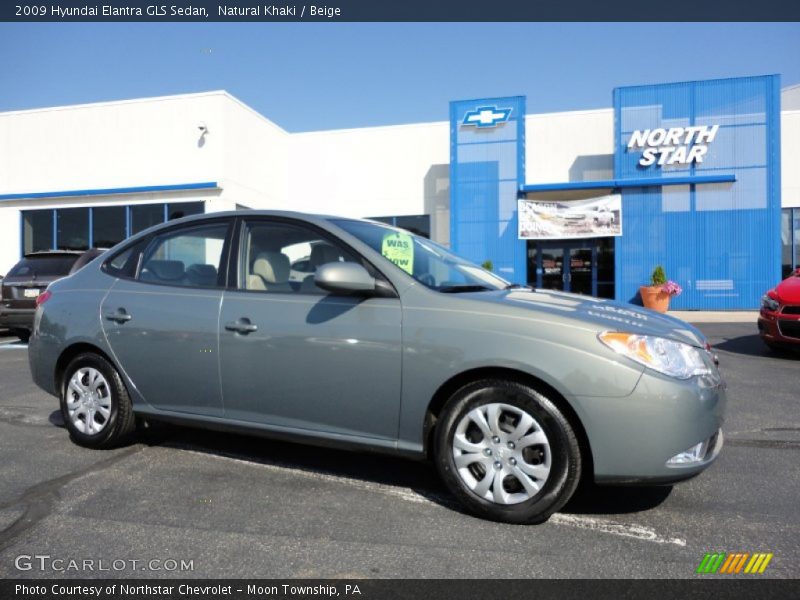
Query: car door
point(295, 356)
point(162, 325)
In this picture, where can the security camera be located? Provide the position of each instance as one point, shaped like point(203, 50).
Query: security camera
point(202, 127)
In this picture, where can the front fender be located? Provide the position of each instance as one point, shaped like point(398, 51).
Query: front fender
point(441, 344)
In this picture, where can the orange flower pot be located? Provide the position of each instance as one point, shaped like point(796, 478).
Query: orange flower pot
point(653, 298)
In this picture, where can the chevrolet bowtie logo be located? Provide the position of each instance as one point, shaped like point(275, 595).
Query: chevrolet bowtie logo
point(486, 116)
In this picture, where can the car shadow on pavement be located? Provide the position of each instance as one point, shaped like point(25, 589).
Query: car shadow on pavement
point(752, 345)
point(592, 499)
point(418, 476)
point(56, 419)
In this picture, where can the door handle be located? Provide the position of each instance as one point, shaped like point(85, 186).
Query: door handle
point(243, 326)
point(121, 316)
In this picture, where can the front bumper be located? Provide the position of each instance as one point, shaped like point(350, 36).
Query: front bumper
point(633, 438)
point(779, 327)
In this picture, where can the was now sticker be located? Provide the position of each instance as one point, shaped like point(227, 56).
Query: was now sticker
point(399, 248)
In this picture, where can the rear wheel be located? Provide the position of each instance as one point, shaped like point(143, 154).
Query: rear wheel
point(507, 452)
point(95, 404)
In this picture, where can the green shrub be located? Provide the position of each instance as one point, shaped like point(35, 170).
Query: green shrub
point(658, 277)
point(487, 264)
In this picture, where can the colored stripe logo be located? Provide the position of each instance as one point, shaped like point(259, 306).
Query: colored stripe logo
point(733, 563)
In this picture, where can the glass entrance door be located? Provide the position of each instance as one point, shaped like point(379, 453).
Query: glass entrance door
point(578, 266)
point(581, 270)
point(553, 269)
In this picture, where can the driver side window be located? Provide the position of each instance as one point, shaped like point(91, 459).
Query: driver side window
point(279, 257)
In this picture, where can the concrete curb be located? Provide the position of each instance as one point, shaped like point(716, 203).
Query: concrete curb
point(704, 316)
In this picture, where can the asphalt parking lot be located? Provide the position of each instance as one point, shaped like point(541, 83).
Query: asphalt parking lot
point(246, 507)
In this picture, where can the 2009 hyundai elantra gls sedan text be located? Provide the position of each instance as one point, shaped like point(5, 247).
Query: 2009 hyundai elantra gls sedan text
point(391, 343)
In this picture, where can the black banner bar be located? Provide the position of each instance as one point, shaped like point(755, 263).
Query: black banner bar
point(400, 10)
point(703, 588)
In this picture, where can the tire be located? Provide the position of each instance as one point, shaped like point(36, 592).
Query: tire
point(548, 438)
point(96, 408)
point(23, 334)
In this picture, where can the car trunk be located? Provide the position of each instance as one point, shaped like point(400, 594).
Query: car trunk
point(31, 276)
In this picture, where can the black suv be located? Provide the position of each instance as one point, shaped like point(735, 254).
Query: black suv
point(29, 278)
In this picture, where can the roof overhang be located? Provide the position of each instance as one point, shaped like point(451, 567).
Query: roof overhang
point(577, 190)
point(177, 187)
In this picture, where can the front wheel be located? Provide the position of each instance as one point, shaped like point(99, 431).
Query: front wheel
point(95, 405)
point(507, 452)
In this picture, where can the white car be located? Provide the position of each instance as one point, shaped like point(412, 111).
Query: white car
point(603, 216)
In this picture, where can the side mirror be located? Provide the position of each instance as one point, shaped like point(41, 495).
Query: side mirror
point(344, 278)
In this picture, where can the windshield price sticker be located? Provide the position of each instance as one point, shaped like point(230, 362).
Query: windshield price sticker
point(399, 248)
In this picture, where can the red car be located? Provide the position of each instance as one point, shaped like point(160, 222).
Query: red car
point(779, 321)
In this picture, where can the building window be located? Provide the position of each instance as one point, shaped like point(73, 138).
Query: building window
point(37, 230)
point(109, 225)
point(184, 209)
point(146, 215)
point(417, 224)
point(98, 226)
point(72, 229)
point(790, 240)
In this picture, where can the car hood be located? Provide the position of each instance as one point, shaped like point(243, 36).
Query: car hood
point(788, 290)
point(596, 313)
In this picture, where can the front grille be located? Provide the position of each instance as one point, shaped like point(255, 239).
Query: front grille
point(789, 328)
point(791, 310)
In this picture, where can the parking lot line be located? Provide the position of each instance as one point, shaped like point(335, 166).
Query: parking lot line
point(13, 346)
point(639, 532)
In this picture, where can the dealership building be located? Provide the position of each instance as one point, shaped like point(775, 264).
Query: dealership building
point(702, 177)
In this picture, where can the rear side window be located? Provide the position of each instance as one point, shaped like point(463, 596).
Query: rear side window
point(43, 266)
point(123, 263)
point(188, 257)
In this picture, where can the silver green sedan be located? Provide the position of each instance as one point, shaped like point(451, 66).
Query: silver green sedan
point(389, 343)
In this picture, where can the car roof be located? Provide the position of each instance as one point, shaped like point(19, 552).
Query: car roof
point(287, 214)
point(49, 253)
point(318, 219)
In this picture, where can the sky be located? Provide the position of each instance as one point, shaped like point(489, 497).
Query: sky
point(309, 76)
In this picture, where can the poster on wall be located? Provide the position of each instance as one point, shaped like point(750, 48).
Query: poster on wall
point(549, 220)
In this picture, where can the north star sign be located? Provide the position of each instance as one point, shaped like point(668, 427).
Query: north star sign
point(673, 146)
point(486, 116)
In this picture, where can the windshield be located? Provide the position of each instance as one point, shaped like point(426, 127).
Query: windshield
point(43, 266)
point(429, 263)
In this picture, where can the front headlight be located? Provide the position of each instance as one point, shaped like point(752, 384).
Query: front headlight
point(769, 303)
point(672, 358)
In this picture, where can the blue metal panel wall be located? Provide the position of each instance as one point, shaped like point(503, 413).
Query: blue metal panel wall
point(486, 169)
point(721, 242)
